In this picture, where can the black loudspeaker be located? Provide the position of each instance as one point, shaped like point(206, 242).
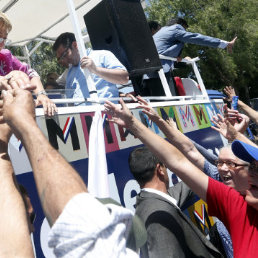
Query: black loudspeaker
point(120, 26)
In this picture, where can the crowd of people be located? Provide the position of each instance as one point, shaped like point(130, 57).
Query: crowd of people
point(229, 186)
point(81, 225)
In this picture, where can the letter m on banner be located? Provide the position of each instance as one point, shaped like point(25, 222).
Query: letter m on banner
point(54, 130)
point(185, 118)
point(201, 116)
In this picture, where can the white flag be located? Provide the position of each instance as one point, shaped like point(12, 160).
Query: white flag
point(97, 167)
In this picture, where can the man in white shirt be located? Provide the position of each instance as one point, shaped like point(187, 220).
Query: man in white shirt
point(106, 70)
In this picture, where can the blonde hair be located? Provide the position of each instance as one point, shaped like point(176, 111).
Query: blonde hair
point(5, 22)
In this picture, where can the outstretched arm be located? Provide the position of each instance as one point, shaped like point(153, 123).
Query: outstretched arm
point(178, 139)
point(166, 152)
point(48, 105)
point(249, 111)
point(204, 40)
point(14, 229)
point(57, 182)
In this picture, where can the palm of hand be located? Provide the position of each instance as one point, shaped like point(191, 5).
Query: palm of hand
point(230, 92)
point(222, 128)
point(118, 121)
point(147, 109)
point(121, 116)
point(238, 127)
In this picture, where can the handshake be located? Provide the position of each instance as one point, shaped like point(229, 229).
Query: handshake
point(19, 80)
point(17, 107)
point(15, 80)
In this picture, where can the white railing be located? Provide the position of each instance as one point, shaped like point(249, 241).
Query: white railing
point(203, 97)
point(195, 69)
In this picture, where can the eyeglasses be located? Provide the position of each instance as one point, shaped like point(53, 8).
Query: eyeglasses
point(63, 55)
point(3, 40)
point(229, 164)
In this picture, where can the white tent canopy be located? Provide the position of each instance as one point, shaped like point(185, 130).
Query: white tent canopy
point(42, 19)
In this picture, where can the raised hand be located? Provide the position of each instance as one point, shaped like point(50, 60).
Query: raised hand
point(231, 45)
point(148, 110)
point(48, 105)
point(172, 123)
point(18, 108)
point(128, 95)
point(15, 80)
point(230, 92)
point(238, 120)
point(5, 130)
point(224, 127)
point(121, 116)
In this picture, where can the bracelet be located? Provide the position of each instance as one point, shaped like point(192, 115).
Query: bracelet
point(42, 92)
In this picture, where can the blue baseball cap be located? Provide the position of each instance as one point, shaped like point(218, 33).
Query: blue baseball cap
point(245, 151)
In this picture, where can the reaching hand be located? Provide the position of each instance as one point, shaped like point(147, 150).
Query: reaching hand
point(230, 114)
point(128, 95)
point(5, 130)
point(238, 120)
point(242, 123)
point(15, 80)
point(231, 45)
point(48, 105)
point(224, 127)
point(121, 116)
point(229, 90)
point(148, 110)
point(172, 123)
point(18, 108)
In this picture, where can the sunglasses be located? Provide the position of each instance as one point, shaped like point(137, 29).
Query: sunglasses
point(3, 40)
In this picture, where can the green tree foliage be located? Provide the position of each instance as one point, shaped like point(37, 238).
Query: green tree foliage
point(44, 61)
point(223, 19)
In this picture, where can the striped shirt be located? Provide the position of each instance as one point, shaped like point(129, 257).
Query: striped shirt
point(87, 228)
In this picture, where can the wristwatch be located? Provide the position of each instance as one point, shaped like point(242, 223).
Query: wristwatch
point(42, 92)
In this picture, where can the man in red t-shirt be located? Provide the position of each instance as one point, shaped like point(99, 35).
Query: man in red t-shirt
point(239, 215)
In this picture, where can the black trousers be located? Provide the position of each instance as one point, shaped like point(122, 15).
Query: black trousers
point(153, 86)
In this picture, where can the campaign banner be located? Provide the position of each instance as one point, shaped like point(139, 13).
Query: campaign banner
point(69, 134)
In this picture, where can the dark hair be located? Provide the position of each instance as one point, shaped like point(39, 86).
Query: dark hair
point(180, 21)
point(154, 25)
point(66, 39)
point(24, 193)
point(55, 85)
point(142, 164)
point(23, 190)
